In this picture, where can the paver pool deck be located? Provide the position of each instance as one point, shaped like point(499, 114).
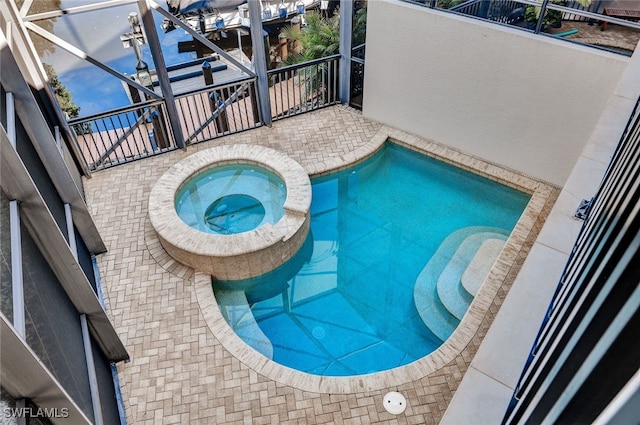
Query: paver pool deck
point(180, 372)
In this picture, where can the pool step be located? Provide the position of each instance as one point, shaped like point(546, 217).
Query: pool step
point(236, 310)
point(479, 251)
point(445, 271)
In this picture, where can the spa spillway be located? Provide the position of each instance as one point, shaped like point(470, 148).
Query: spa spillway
point(234, 212)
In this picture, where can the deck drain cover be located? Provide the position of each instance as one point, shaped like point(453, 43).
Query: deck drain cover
point(394, 403)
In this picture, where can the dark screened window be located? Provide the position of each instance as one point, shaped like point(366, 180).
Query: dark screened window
point(3, 107)
point(84, 258)
point(106, 388)
point(53, 325)
point(38, 173)
point(7, 402)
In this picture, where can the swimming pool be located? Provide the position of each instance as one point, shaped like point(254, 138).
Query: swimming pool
point(345, 304)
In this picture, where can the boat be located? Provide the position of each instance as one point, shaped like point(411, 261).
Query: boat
point(207, 16)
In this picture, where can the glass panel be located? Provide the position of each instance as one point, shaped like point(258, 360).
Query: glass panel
point(6, 294)
point(53, 325)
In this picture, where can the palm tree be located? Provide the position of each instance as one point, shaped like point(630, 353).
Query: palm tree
point(319, 38)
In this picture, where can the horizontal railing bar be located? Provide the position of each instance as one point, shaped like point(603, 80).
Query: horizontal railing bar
point(569, 10)
point(215, 87)
point(198, 61)
point(123, 109)
point(302, 65)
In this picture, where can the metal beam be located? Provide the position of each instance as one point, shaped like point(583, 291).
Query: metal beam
point(346, 34)
point(72, 10)
point(11, 119)
point(202, 39)
point(85, 56)
point(17, 281)
point(260, 60)
point(161, 72)
point(71, 234)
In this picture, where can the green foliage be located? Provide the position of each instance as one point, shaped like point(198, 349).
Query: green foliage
point(360, 26)
point(319, 38)
point(448, 4)
point(62, 94)
point(552, 18)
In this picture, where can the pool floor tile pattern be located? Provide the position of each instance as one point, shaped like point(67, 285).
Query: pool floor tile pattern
point(179, 372)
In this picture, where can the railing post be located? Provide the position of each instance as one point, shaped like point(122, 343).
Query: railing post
point(161, 71)
point(543, 11)
point(260, 61)
point(346, 33)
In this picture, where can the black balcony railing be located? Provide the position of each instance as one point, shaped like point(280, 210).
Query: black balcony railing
point(142, 130)
point(218, 110)
point(303, 87)
point(518, 14)
point(123, 135)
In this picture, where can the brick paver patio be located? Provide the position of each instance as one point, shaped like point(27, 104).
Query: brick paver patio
point(179, 372)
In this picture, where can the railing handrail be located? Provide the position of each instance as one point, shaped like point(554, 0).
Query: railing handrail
point(122, 134)
point(215, 86)
point(302, 64)
point(552, 6)
point(461, 6)
point(128, 108)
point(218, 111)
point(141, 119)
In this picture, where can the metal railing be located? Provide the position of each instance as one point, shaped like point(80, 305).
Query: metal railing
point(140, 130)
point(218, 110)
point(505, 11)
point(124, 134)
point(356, 87)
point(304, 87)
point(512, 12)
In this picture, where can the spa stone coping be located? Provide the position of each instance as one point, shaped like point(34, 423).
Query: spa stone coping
point(451, 348)
point(242, 255)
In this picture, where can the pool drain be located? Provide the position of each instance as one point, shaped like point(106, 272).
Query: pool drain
point(394, 403)
point(318, 332)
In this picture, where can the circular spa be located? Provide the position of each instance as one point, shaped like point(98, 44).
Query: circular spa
point(231, 199)
point(233, 212)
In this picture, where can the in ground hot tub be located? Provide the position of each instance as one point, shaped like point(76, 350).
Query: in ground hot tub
point(234, 212)
point(230, 199)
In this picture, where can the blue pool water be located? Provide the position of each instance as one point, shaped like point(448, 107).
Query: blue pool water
point(230, 199)
point(344, 305)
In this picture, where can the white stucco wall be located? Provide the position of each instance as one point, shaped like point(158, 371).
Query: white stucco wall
point(523, 101)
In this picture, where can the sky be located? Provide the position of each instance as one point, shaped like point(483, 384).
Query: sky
point(98, 34)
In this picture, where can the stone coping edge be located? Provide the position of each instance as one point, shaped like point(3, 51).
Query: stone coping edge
point(540, 192)
point(209, 252)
